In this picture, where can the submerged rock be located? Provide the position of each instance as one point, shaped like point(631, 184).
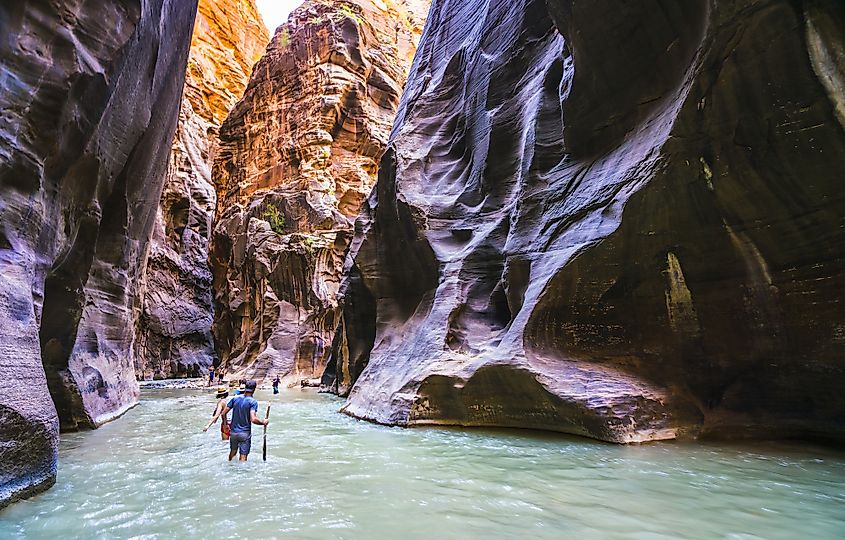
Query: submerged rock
point(619, 220)
point(174, 331)
point(298, 155)
point(90, 98)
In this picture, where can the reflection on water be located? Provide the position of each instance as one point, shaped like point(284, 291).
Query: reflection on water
point(154, 474)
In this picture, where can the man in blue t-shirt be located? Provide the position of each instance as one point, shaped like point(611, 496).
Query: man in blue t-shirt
point(244, 408)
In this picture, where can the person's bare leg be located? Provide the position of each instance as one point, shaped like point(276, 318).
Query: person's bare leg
point(232, 454)
point(243, 457)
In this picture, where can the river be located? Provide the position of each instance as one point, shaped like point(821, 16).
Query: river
point(154, 474)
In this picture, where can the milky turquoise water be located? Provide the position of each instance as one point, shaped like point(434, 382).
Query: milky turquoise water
point(154, 474)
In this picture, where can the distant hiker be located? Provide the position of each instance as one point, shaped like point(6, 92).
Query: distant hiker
point(221, 396)
point(220, 377)
point(276, 383)
point(210, 376)
point(244, 409)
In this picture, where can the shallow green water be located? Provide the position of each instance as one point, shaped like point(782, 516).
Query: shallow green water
point(154, 474)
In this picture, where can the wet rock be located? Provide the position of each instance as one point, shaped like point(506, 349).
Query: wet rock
point(297, 157)
point(89, 100)
point(174, 330)
point(619, 221)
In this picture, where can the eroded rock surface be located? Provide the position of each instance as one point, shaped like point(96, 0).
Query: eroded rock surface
point(229, 38)
point(297, 157)
point(174, 330)
point(616, 219)
point(88, 107)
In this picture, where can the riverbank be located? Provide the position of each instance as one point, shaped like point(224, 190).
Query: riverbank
point(174, 384)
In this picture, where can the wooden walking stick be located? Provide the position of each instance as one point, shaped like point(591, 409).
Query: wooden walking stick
point(264, 451)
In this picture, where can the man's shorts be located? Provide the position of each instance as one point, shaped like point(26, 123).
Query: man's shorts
point(240, 440)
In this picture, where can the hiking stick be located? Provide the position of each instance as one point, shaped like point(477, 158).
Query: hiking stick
point(264, 451)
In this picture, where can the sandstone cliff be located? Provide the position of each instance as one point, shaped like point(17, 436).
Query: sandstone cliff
point(89, 100)
point(616, 219)
point(229, 38)
point(298, 155)
point(174, 330)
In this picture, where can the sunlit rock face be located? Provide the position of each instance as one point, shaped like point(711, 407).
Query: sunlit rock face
point(297, 157)
point(89, 99)
point(616, 219)
point(174, 330)
point(229, 38)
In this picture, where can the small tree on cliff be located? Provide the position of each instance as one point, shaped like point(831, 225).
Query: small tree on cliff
point(275, 218)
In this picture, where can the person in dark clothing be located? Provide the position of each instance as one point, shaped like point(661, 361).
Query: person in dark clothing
point(210, 376)
point(244, 413)
point(276, 383)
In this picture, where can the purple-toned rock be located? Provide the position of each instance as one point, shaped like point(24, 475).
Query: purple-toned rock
point(616, 219)
point(89, 102)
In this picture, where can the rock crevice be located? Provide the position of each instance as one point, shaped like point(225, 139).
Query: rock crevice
point(174, 336)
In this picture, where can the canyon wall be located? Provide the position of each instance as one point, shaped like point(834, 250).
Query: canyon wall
point(174, 330)
point(298, 155)
point(89, 100)
point(622, 220)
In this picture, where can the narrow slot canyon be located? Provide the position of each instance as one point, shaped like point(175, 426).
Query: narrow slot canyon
point(525, 228)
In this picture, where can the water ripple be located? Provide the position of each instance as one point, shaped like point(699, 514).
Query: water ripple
point(154, 474)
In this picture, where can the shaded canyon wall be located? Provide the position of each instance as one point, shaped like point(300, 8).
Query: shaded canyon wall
point(88, 107)
point(174, 329)
point(618, 220)
point(298, 155)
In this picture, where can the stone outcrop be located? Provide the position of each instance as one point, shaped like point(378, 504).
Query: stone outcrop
point(174, 330)
point(298, 155)
point(229, 38)
point(622, 220)
point(90, 98)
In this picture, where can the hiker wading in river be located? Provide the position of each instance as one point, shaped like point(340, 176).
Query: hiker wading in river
point(221, 396)
point(244, 409)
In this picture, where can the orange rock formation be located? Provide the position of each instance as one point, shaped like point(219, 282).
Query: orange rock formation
point(174, 330)
point(298, 156)
point(229, 38)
